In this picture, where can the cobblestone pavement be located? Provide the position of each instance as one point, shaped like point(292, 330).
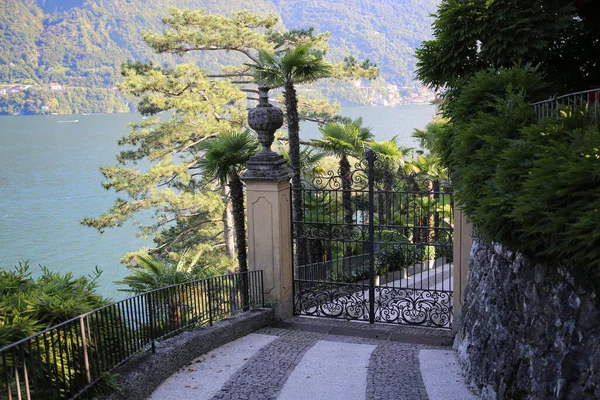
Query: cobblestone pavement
point(264, 375)
point(394, 373)
point(281, 369)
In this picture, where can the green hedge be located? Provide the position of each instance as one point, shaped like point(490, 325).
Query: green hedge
point(532, 186)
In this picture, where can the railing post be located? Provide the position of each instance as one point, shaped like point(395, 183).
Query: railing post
point(245, 294)
point(151, 321)
point(86, 361)
point(17, 380)
point(262, 292)
point(26, 377)
point(209, 299)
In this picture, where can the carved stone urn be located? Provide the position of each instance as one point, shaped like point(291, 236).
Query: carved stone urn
point(265, 119)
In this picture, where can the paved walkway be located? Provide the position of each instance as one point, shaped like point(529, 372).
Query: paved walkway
point(309, 362)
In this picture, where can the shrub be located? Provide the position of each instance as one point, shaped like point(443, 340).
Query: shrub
point(534, 187)
point(445, 250)
point(29, 305)
point(399, 256)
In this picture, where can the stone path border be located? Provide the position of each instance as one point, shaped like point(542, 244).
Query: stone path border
point(396, 333)
point(442, 375)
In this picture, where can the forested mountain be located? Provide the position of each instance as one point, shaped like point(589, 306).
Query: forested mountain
point(82, 43)
point(384, 31)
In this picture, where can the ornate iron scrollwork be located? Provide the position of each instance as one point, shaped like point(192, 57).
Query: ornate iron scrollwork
point(408, 239)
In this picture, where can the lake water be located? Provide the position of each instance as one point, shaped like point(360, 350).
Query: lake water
point(50, 180)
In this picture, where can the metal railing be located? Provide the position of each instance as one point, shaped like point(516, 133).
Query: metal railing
point(72, 358)
point(589, 99)
point(330, 269)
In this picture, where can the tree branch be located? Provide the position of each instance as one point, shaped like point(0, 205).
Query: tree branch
point(162, 223)
point(284, 139)
point(197, 141)
point(200, 48)
point(166, 246)
point(215, 114)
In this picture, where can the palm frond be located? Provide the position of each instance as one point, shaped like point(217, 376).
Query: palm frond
point(226, 154)
point(348, 138)
point(295, 65)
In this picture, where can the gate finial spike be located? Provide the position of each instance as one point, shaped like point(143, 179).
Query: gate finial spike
point(370, 155)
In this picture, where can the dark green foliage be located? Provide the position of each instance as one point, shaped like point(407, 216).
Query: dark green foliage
point(557, 203)
point(398, 257)
point(444, 249)
point(532, 187)
point(28, 304)
point(474, 35)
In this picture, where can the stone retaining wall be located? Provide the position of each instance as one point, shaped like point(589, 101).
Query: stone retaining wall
point(141, 375)
point(528, 331)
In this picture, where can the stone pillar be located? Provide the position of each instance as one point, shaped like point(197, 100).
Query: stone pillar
point(462, 249)
point(269, 210)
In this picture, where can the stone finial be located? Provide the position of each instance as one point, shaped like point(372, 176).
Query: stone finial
point(265, 119)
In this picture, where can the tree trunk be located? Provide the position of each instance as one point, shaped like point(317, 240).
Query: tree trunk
point(436, 214)
point(228, 232)
point(430, 215)
point(239, 219)
point(345, 174)
point(293, 123)
point(175, 317)
point(388, 185)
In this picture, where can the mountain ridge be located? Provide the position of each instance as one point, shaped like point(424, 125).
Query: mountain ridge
point(82, 43)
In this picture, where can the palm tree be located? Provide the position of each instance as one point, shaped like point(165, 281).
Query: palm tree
point(428, 170)
point(310, 162)
point(345, 140)
point(224, 160)
point(391, 156)
point(152, 273)
point(286, 68)
point(342, 141)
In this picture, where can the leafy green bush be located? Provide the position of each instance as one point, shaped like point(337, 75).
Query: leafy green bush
point(398, 257)
point(534, 187)
point(445, 250)
point(29, 305)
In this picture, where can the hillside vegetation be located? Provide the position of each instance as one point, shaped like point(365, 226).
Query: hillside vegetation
point(82, 43)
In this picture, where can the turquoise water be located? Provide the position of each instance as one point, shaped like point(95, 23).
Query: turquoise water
point(49, 181)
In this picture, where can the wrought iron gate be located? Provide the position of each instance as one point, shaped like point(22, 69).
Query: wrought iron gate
point(375, 243)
